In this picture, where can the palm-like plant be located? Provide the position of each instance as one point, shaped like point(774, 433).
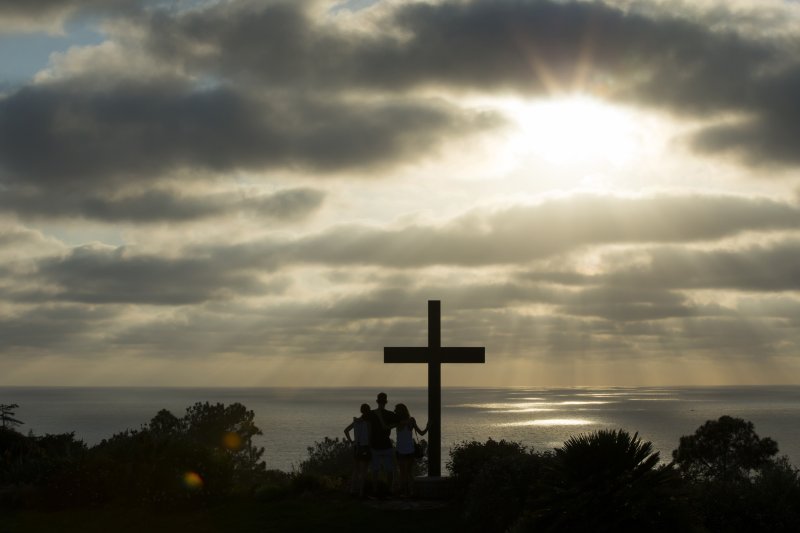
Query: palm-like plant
point(606, 481)
point(605, 458)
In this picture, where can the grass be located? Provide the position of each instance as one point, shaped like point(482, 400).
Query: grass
point(312, 513)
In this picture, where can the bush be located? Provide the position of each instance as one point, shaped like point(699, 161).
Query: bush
point(774, 498)
point(275, 485)
point(500, 492)
point(32, 460)
point(330, 462)
point(468, 458)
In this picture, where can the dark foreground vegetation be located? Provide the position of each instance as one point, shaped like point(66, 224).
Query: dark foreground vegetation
point(201, 472)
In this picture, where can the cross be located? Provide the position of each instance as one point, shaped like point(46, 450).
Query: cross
point(434, 355)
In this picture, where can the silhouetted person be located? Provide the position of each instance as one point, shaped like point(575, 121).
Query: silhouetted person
point(406, 427)
point(380, 442)
point(361, 448)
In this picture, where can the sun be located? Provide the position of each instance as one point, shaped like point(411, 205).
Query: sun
point(575, 129)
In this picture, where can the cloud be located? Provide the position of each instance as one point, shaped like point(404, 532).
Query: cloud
point(94, 274)
point(50, 15)
point(63, 135)
point(18, 242)
point(62, 328)
point(762, 268)
point(767, 137)
point(700, 64)
point(475, 45)
point(261, 86)
point(527, 233)
point(161, 205)
point(202, 272)
point(620, 304)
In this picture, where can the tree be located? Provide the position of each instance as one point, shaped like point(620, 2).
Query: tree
point(205, 454)
point(7, 412)
point(329, 457)
point(228, 428)
point(724, 449)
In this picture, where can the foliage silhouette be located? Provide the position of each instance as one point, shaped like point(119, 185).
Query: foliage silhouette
point(208, 453)
point(607, 481)
point(468, 458)
point(728, 481)
point(32, 460)
point(727, 448)
point(330, 458)
point(7, 412)
point(500, 492)
point(737, 484)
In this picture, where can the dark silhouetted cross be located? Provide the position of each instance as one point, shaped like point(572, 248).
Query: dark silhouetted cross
point(434, 354)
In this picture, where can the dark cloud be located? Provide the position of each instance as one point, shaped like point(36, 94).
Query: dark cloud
point(157, 205)
point(37, 15)
point(78, 132)
point(102, 275)
point(620, 304)
point(69, 137)
point(63, 328)
point(44, 8)
point(764, 268)
point(524, 46)
point(768, 135)
point(530, 47)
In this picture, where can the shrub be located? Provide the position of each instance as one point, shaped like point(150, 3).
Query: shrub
point(774, 498)
point(469, 457)
point(500, 491)
point(330, 461)
point(607, 481)
point(275, 485)
point(33, 460)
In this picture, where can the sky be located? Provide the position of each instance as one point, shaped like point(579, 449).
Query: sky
point(266, 193)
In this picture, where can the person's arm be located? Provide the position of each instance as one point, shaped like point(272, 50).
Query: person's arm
point(347, 432)
point(420, 431)
point(382, 421)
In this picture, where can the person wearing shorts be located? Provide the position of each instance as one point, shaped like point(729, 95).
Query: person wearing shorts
point(380, 442)
point(406, 427)
point(361, 449)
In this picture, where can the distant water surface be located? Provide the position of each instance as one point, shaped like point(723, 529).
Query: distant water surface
point(294, 418)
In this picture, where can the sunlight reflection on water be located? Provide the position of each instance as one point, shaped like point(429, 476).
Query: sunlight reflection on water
point(524, 407)
point(548, 422)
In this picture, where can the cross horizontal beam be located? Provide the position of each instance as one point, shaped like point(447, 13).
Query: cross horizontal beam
point(434, 355)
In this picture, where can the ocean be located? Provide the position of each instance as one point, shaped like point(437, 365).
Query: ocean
point(292, 419)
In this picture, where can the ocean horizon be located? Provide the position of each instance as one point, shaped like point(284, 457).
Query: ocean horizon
point(293, 418)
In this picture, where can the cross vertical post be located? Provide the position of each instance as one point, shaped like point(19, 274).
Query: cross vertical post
point(434, 389)
point(434, 355)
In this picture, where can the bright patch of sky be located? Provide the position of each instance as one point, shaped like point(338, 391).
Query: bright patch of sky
point(23, 55)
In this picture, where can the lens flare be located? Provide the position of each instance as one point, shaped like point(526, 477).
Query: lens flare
point(232, 441)
point(192, 481)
